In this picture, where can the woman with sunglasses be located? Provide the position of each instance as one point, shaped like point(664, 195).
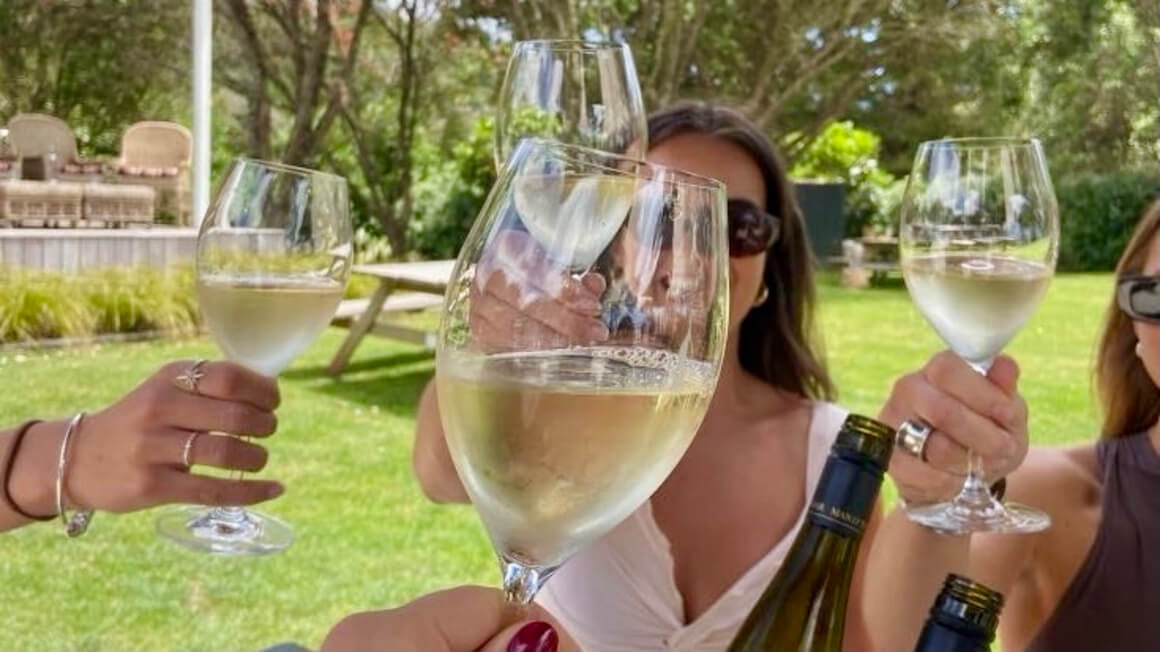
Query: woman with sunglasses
point(684, 570)
point(1089, 581)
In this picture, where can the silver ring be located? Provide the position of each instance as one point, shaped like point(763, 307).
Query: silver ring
point(185, 453)
point(912, 437)
point(188, 380)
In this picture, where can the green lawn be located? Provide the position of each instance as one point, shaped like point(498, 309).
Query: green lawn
point(367, 537)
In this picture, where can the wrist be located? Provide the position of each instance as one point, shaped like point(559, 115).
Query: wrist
point(32, 484)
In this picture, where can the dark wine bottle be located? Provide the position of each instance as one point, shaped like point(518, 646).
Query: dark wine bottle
point(804, 607)
point(963, 618)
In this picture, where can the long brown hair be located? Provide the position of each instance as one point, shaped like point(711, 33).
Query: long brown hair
point(1129, 400)
point(778, 343)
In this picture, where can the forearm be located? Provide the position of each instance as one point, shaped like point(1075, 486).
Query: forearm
point(431, 460)
point(906, 566)
point(32, 483)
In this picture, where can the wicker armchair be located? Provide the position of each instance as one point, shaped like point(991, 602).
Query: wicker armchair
point(38, 137)
point(157, 154)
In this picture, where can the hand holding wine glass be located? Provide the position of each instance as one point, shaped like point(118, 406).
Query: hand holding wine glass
point(273, 257)
point(557, 435)
point(979, 239)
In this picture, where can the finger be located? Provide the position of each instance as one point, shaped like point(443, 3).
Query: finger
point(480, 615)
point(537, 313)
point(504, 337)
point(517, 268)
point(220, 451)
point(189, 412)
point(232, 382)
point(594, 283)
point(1005, 372)
point(915, 396)
point(919, 483)
point(954, 377)
point(178, 487)
point(945, 454)
point(525, 636)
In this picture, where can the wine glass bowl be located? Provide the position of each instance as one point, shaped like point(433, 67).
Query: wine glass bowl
point(561, 426)
point(273, 258)
point(579, 92)
point(978, 246)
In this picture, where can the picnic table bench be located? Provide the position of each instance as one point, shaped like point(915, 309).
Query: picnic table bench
point(402, 287)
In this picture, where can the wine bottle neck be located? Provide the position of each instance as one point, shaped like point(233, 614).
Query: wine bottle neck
point(845, 495)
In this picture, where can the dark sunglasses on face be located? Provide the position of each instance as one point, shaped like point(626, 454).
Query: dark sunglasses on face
point(751, 230)
point(1139, 297)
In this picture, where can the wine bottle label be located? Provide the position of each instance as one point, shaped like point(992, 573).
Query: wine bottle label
point(845, 497)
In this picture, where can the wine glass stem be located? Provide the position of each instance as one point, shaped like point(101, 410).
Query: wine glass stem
point(975, 494)
point(232, 514)
point(520, 585)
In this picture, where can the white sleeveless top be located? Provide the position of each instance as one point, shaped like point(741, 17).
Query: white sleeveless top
point(619, 592)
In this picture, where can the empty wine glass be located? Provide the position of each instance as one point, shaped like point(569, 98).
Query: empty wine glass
point(559, 429)
point(273, 258)
point(979, 239)
point(577, 92)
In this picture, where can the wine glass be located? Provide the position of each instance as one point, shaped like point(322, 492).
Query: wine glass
point(578, 92)
point(273, 258)
point(559, 435)
point(978, 246)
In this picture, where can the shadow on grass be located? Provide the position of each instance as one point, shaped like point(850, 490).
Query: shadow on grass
point(392, 383)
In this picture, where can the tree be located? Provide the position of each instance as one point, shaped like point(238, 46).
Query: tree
point(791, 65)
point(100, 65)
point(384, 153)
point(290, 60)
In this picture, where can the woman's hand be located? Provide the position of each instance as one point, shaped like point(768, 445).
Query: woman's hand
point(521, 299)
point(463, 618)
point(967, 411)
point(130, 455)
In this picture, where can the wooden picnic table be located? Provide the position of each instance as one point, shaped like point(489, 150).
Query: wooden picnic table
point(402, 287)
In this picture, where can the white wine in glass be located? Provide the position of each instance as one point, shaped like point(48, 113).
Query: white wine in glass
point(979, 237)
point(264, 323)
point(273, 258)
point(557, 438)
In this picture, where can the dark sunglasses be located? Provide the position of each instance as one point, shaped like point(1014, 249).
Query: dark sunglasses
point(751, 230)
point(1139, 297)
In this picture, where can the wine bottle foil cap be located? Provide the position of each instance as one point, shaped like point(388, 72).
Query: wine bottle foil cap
point(868, 439)
point(969, 601)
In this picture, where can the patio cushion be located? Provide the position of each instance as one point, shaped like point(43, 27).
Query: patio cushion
point(149, 172)
point(81, 167)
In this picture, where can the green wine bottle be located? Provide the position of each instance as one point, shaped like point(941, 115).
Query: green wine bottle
point(804, 607)
point(963, 618)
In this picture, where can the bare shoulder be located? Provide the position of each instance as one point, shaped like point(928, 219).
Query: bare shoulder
point(1062, 481)
point(1057, 478)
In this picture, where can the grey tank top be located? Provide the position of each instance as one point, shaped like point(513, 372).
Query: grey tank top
point(1113, 603)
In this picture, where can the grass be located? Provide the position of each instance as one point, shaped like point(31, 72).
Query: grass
point(367, 537)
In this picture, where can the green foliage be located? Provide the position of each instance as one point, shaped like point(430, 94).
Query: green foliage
point(849, 154)
point(1098, 213)
point(100, 66)
point(450, 194)
point(42, 305)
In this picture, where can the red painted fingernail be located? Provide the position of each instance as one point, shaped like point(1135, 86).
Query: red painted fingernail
point(537, 636)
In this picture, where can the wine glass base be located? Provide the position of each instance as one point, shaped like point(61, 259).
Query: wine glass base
point(953, 518)
point(203, 529)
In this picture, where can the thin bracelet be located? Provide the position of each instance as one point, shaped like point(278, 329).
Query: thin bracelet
point(10, 464)
point(74, 525)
